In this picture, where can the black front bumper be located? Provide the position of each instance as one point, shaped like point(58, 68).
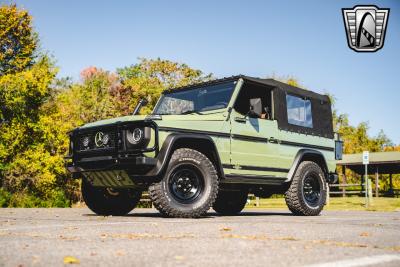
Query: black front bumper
point(107, 171)
point(136, 165)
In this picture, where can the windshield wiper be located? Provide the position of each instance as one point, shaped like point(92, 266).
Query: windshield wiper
point(183, 113)
point(190, 112)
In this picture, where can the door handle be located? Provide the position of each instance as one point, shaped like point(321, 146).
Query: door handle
point(273, 140)
point(240, 119)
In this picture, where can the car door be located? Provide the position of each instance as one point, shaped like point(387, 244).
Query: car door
point(254, 146)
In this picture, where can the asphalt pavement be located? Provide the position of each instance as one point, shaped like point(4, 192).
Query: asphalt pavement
point(54, 237)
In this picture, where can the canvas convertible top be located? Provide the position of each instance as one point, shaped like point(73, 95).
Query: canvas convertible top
point(268, 82)
point(320, 104)
point(288, 88)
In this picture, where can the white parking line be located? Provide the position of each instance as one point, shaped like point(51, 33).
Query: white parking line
point(357, 262)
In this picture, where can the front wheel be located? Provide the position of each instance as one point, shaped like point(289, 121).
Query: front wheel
point(189, 187)
point(307, 193)
point(109, 201)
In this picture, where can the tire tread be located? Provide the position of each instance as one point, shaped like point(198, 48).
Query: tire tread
point(161, 203)
point(293, 197)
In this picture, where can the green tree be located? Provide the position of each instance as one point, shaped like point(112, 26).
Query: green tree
point(22, 96)
point(30, 166)
point(18, 40)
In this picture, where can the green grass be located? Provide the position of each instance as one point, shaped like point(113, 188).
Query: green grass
point(337, 203)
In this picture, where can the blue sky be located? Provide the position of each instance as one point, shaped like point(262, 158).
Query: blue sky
point(305, 40)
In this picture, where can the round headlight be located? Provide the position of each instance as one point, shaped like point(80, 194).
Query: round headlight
point(135, 136)
point(85, 141)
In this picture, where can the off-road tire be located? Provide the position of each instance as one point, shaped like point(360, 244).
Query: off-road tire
point(165, 200)
point(106, 201)
point(230, 202)
point(295, 195)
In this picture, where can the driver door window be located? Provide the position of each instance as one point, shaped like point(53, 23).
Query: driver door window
point(242, 104)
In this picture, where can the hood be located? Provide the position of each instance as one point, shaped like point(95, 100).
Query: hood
point(164, 120)
point(114, 120)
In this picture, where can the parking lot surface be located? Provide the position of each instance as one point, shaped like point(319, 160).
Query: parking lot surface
point(54, 237)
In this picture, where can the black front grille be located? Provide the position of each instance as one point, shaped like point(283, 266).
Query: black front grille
point(96, 140)
point(84, 140)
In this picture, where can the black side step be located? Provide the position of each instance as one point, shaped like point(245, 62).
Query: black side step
point(253, 179)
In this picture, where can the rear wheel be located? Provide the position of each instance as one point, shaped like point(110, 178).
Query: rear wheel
point(189, 187)
point(307, 193)
point(230, 202)
point(109, 201)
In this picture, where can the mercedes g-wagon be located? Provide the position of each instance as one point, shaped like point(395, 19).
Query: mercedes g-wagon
point(210, 145)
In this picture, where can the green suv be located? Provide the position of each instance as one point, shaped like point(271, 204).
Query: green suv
point(210, 145)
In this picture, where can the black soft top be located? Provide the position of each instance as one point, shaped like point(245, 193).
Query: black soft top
point(268, 82)
point(288, 88)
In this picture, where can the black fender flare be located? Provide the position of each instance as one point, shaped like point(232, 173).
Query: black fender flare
point(301, 154)
point(167, 149)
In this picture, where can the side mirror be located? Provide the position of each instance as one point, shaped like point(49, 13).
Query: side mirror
point(142, 102)
point(255, 108)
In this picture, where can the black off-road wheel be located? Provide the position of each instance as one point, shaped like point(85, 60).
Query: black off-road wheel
point(189, 187)
point(108, 201)
point(306, 195)
point(230, 202)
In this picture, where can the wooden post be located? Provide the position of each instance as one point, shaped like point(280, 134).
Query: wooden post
point(391, 182)
point(344, 180)
point(377, 182)
point(391, 192)
point(363, 183)
point(370, 199)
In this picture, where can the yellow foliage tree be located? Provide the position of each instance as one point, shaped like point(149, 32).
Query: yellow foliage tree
point(18, 40)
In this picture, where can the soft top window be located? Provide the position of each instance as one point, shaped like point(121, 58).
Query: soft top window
point(299, 111)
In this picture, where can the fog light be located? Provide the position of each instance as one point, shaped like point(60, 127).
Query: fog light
point(85, 141)
point(106, 138)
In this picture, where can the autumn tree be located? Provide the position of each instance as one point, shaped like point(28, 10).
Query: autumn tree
point(30, 169)
point(18, 40)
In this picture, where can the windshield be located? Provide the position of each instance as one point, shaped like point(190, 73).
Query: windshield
point(195, 100)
